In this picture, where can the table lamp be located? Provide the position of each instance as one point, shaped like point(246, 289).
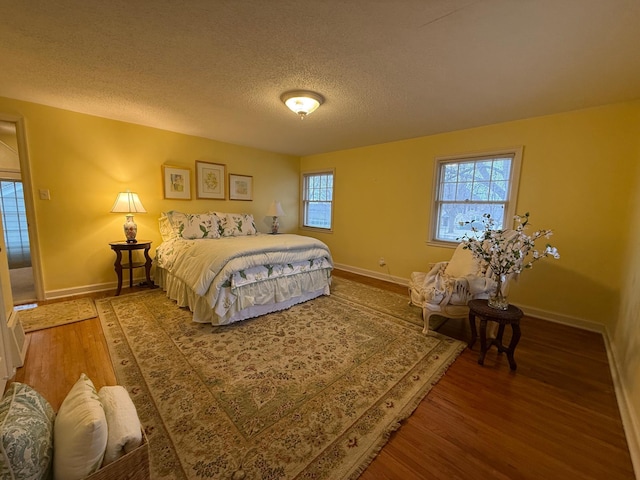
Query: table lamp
point(275, 211)
point(129, 203)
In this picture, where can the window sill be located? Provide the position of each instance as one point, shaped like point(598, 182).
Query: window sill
point(441, 243)
point(316, 229)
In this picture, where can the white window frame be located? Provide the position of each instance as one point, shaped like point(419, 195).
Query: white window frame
point(509, 204)
point(303, 198)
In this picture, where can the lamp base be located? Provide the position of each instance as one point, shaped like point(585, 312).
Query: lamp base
point(130, 229)
point(274, 226)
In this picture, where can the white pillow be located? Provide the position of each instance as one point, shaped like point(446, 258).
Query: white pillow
point(79, 433)
point(125, 433)
point(462, 263)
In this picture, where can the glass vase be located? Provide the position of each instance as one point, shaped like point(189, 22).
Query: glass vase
point(498, 299)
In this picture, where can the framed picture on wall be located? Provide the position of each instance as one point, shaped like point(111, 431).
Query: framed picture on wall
point(240, 187)
point(177, 182)
point(210, 180)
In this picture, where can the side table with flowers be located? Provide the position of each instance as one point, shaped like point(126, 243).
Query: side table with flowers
point(506, 252)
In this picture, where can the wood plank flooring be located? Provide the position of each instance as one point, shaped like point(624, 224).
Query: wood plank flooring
point(556, 417)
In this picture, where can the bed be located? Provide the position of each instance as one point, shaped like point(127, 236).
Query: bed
point(224, 270)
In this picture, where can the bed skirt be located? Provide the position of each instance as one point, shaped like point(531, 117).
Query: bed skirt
point(254, 300)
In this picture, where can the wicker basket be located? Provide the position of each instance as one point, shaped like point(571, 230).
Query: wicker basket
point(132, 466)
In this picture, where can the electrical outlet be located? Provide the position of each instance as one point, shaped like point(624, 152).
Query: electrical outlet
point(381, 262)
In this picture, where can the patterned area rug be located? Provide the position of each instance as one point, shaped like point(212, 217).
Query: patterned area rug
point(312, 392)
point(56, 314)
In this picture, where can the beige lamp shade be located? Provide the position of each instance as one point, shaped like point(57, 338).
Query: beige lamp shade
point(275, 210)
point(129, 203)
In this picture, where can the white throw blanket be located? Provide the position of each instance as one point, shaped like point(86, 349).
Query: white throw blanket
point(441, 289)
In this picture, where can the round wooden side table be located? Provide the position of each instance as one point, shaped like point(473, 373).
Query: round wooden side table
point(119, 247)
point(511, 316)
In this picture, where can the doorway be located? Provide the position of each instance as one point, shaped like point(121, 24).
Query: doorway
point(16, 240)
point(16, 209)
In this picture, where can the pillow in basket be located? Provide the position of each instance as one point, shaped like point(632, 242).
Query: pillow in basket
point(79, 433)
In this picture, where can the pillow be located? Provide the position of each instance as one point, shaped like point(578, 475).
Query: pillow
point(26, 433)
point(166, 230)
point(125, 432)
point(236, 224)
point(194, 225)
point(462, 263)
point(79, 433)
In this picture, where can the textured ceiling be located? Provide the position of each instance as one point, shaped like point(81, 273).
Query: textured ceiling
point(389, 70)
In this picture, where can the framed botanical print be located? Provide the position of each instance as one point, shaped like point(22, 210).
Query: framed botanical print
point(210, 180)
point(177, 182)
point(240, 187)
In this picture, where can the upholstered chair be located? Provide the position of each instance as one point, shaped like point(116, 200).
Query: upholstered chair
point(448, 286)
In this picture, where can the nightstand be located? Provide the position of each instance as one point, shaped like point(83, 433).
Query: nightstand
point(120, 247)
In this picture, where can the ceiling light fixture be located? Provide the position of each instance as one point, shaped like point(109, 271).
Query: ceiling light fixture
point(302, 102)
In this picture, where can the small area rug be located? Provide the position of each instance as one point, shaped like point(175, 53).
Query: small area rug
point(56, 314)
point(312, 392)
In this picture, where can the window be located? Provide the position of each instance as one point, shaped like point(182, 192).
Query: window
point(317, 200)
point(466, 187)
point(14, 220)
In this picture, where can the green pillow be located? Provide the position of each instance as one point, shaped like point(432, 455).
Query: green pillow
point(26, 434)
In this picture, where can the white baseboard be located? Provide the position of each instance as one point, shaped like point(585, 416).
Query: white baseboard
point(98, 287)
point(372, 274)
point(561, 318)
point(628, 411)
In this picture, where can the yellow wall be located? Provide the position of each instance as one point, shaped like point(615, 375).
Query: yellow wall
point(85, 161)
point(575, 179)
point(625, 333)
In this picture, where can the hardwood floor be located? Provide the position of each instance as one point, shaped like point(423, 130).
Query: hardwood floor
point(556, 417)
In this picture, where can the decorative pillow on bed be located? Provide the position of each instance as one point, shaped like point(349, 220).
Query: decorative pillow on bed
point(194, 225)
point(236, 224)
point(166, 230)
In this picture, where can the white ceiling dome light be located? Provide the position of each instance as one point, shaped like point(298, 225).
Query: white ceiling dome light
point(302, 102)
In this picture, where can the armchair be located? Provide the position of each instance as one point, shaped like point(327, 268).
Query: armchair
point(447, 288)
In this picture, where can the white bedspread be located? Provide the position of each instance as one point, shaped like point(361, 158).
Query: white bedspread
point(207, 265)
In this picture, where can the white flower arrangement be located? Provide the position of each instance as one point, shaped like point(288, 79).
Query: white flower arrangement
point(508, 251)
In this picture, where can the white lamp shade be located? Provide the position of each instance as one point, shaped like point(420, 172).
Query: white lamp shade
point(128, 202)
point(275, 210)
